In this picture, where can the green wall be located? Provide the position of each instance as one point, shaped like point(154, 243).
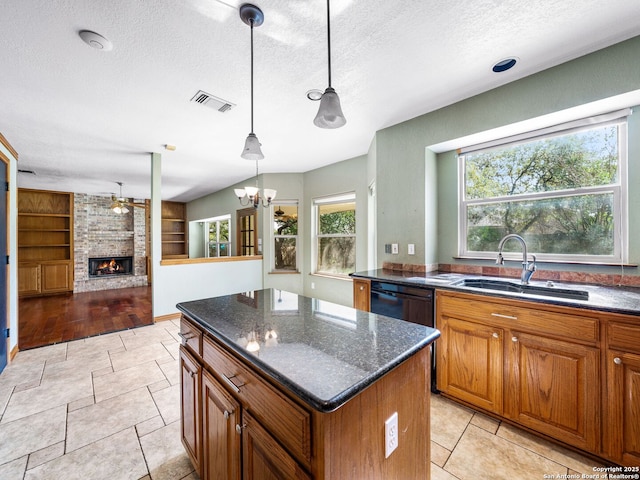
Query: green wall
point(405, 165)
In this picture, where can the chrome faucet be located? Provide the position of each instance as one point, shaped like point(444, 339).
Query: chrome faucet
point(527, 268)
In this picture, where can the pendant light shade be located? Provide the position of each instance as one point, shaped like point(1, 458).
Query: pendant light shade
point(252, 16)
point(252, 149)
point(330, 112)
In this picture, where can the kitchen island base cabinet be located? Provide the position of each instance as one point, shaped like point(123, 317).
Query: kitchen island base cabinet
point(190, 426)
point(254, 429)
point(220, 439)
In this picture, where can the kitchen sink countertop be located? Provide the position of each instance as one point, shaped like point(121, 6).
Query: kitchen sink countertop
point(625, 300)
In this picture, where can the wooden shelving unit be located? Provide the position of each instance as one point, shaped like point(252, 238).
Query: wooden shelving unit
point(45, 242)
point(174, 230)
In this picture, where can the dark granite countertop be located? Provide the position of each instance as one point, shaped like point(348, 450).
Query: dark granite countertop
point(324, 353)
point(625, 300)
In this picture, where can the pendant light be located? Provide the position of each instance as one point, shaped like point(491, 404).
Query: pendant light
point(330, 112)
point(252, 16)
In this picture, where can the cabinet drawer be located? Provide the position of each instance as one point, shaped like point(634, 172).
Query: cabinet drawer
point(191, 336)
point(624, 337)
point(288, 422)
point(525, 316)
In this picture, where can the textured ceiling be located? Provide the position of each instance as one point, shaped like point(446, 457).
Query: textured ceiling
point(83, 119)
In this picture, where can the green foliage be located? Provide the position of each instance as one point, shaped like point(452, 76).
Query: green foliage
point(338, 223)
point(569, 224)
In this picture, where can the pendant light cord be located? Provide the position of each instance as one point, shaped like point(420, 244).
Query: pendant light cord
point(251, 21)
point(329, 39)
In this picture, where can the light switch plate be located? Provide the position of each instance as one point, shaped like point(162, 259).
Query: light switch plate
point(394, 248)
point(412, 249)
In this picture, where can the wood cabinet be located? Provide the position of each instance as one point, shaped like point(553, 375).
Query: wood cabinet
point(362, 294)
point(220, 441)
point(45, 242)
point(190, 403)
point(622, 394)
point(175, 230)
point(470, 362)
point(534, 365)
point(253, 430)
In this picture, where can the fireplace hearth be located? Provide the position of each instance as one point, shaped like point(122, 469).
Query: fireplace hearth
point(107, 267)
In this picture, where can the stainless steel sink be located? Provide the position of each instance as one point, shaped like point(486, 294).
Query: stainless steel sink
point(513, 287)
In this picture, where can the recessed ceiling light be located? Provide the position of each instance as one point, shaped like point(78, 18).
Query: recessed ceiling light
point(314, 94)
point(95, 40)
point(504, 64)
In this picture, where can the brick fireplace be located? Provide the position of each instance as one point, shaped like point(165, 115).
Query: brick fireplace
point(100, 233)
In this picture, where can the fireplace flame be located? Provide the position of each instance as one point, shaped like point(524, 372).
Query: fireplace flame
point(109, 267)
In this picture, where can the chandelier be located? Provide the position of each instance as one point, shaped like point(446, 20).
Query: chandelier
point(253, 196)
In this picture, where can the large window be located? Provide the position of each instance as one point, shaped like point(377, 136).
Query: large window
point(285, 236)
point(218, 236)
point(335, 235)
point(563, 191)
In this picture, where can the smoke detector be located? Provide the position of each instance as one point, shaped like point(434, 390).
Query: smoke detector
point(95, 40)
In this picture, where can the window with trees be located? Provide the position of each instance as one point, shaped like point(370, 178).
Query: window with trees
point(285, 236)
point(335, 235)
point(218, 236)
point(563, 190)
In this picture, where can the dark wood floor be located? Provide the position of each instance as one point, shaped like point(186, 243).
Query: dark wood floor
point(60, 318)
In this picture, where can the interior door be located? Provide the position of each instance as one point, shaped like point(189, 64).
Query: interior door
point(3, 268)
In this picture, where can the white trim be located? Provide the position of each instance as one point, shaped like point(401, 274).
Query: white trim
point(563, 128)
point(617, 189)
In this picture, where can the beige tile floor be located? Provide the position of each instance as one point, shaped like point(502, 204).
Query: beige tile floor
point(108, 407)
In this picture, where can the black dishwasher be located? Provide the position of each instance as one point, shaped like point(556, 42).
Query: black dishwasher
point(408, 303)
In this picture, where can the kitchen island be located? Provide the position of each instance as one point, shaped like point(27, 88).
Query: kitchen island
point(276, 385)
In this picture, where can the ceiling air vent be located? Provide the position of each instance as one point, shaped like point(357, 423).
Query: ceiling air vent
point(204, 98)
point(28, 172)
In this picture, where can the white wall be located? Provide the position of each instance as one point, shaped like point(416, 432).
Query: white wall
point(12, 208)
point(173, 284)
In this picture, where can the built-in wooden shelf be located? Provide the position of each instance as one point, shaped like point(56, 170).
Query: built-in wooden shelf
point(174, 230)
point(45, 242)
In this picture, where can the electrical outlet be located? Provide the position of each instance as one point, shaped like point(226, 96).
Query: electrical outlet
point(394, 248)
point(390, 434)
point(412, 249)
point(313, 285)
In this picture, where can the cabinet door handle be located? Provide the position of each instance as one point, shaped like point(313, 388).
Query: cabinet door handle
point(617, 361)
point(226, 414)
point(361, 288)
point(500, 315)
point(240, 427)
point(192, 374)
point(228, 381)
point(495, 335)
point(514, 339)
point(186, 337)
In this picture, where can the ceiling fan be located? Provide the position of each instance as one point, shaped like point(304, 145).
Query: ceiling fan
point(120, 204)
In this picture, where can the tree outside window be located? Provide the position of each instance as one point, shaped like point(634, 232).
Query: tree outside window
point(285, 236)
point(218, 237)
point(561, 193)
point(336, 235)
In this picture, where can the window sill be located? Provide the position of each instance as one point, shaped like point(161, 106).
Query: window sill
point(556, 262)
point(334, 277)
point(284, 272)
